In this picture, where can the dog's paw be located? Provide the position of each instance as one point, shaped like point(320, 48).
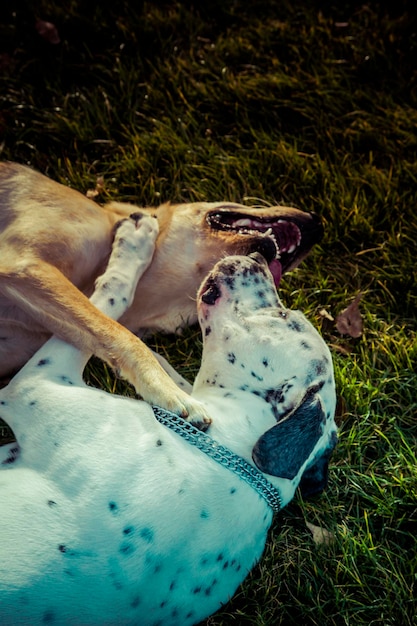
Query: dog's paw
point(183, 405)
point(135, 238)
point(137, 229)
point(197, 415)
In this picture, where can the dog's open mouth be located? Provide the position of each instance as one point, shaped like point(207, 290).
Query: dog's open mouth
point(293, 235)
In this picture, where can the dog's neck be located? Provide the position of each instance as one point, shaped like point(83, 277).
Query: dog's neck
point(251, 420)
point(222, 455)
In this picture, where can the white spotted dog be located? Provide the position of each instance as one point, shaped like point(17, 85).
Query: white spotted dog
point(111, 517)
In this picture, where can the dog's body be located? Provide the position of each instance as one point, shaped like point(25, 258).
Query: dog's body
point(54, 242)
point(107, 516)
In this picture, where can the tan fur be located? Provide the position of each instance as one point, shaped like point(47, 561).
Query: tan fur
point(54, 242)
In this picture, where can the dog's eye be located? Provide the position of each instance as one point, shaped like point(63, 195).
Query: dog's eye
point(283, 314)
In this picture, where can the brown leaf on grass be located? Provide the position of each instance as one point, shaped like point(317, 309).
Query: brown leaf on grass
point(93, 193)
point(321, 536)
point(48, 31)
point(349, 321)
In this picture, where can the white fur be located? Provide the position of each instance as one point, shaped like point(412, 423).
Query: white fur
point(108, 517)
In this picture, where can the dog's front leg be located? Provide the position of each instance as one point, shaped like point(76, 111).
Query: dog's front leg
point(50, 298)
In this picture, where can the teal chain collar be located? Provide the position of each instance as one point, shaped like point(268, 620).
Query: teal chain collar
point(222, 455)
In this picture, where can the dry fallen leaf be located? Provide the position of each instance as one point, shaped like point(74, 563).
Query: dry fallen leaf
point(349, 321)
point(48, 31)
point(320, 535)
point(93, 193)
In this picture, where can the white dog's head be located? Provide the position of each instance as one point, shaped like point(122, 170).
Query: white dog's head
point(252, 344)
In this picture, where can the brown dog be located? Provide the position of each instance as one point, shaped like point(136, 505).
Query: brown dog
point(54, 243)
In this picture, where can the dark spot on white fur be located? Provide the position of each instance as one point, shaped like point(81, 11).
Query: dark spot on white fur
point(297, 326)
point(147, 534)
point(48, 617)
point(113, 507)
point(12, 456)
point(127, 548)
point(43, 362)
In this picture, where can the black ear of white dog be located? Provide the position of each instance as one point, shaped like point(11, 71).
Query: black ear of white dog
point(284, 448)
point(315, 477)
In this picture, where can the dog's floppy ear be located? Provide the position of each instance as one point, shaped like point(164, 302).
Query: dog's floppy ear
point(315, 477)
point(284, 448)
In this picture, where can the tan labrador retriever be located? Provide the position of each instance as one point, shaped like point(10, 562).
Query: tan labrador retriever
point(54, 242)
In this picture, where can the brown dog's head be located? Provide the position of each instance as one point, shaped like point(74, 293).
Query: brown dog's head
point(193, 237)
point(293, 231)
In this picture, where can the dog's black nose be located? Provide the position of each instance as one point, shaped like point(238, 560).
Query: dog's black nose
point(267, 247)
point(211, 294)
point(315, 229)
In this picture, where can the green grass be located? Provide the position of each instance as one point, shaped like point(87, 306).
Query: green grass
point(297, 102)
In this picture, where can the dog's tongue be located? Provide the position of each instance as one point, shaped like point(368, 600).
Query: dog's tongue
point(275, 268)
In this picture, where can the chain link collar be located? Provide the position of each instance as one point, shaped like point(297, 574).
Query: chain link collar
point(222, 455)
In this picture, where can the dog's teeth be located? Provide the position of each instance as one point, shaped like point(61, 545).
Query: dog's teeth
point(270, 233)
point(292, 248)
